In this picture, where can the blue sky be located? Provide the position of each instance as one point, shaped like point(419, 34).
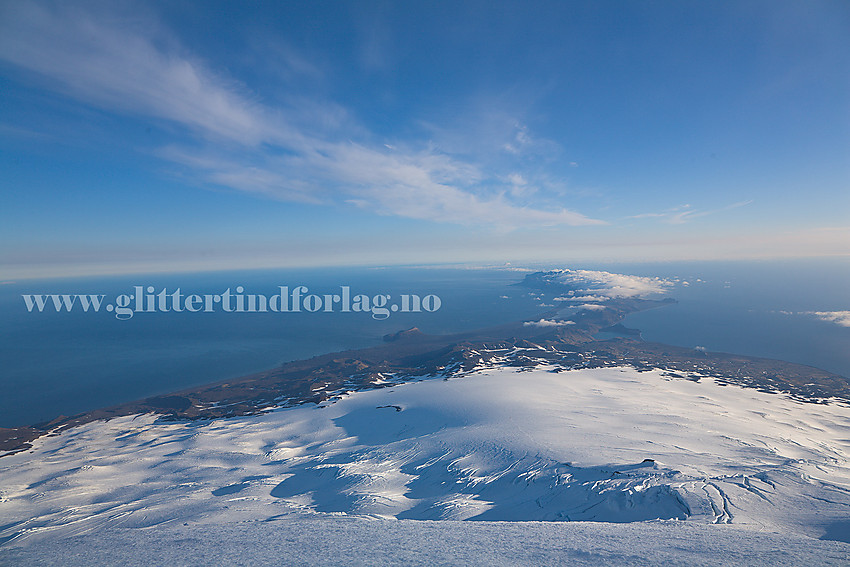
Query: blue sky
point(164, 136)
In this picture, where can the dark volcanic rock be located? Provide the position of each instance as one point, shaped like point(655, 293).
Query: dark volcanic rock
point(408, 334)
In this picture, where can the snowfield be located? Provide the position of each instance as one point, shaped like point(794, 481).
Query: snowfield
point(502, 444)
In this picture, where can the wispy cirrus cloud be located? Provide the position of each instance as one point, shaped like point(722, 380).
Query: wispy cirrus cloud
point(118, 68)
point(685, 213)
point(136, 67)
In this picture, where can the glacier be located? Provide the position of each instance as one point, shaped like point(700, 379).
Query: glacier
point(551, 449)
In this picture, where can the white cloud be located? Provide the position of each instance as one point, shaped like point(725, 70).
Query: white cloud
point(685, 213)
point(517, 179)
point(124, 70)
point(241, 143)
point(838, 317)
point(519, 185)
point(548, 323)
point(590, 285)
point(520, 141)
point(591, 307)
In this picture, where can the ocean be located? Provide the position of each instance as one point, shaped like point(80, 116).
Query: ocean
point(55, 364)
point(765, 309)
point(64, 363)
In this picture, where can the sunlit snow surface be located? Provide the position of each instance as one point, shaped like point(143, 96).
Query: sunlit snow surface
point(605, 444)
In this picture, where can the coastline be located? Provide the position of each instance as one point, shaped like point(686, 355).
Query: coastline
point(410, 355)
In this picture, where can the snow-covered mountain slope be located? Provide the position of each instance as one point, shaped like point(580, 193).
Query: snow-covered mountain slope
point(601, 444)
point(356, 540)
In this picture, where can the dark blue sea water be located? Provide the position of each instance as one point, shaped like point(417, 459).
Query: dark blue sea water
point(755, 308)
point(64, 363)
